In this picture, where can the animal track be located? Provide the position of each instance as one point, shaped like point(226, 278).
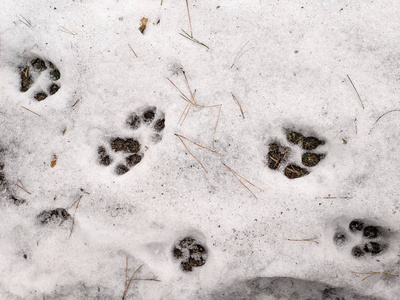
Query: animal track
point(40, 75)
point(48, 216)
point(278, 154)
point(128, 149)
point(369, 238)
point(190, 253)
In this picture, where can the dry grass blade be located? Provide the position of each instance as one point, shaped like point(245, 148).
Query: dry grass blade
point(21, 186)
point(239, 177)
point(238, 103)
point(240, 54)
point(191, 153)
point(76, 102)
point(181, 136)
point(30, 110)
point(374, 273)
point(190, 21)
point(132, 50)
point(362, 105)
point(388, 112)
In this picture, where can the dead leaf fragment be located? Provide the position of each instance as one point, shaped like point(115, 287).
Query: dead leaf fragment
point(144, 23)
point(54, 161)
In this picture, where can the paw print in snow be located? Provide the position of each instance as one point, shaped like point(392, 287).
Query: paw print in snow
point(278, 154)
point(365, 239)
point(126, 151)
point(190, 253)
point(41, 76)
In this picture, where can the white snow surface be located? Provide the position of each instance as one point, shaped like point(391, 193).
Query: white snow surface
point(293, 76)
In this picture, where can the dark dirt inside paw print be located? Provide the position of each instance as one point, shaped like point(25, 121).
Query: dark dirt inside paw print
point(48, 216)
point(149, 114)
point(190, 253)
point(293, 171)
point(311, 143)
point(159, 125)
point(310, 159)
point(126, 145)
point(133, 121)
point(35, 68)
point(276, 155)
point(133, 160)
point(294, 137)
point(103, 157)
point(121, 169)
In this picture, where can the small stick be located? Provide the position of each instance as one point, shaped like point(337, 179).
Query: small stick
point(190, 22)
point(178, 135)
point(356, 91)
point(30, 110)
point(76, 102)
point(132, 48)
point(215, 130)
point(191, 153)
point(22, 186)
point(390, 111)
point(238, 103)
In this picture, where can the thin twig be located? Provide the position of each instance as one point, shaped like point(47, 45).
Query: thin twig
point(356, 91)
point(238, 103)
point(374, 273)
point(388, 112)
point(186, 35)
point(30, 111)
point(190, 22)
point(22, 186)
point(133, 50)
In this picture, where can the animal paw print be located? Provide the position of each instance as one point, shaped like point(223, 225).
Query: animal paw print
point(190, 253)
point(41, 75)
point(126, 151)
point(278, 154)
point(369, 238)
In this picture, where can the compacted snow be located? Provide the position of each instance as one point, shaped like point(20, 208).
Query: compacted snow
point(108, 173)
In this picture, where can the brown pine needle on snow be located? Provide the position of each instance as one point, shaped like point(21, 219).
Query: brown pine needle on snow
point(190, 21)
point(76, 102)
point(30, 110)
point(132, 50)
point(21, 186)
point(216, 124)
point(238, 177)
point(362, 105)
point(65, 30)
point(388, 112)
point(128, 282)
point(76, 203)
point(238, 103)
point(240, 54)
point(374, 273)
point(181, 136)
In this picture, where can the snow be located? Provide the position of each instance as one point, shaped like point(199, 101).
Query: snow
point(293, 76)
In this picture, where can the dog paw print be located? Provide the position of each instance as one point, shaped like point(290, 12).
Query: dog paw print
point(40, 75)
point(51, 216)
point(127, 152)
point(279, 154)
point(190, 253)
point(362, 238)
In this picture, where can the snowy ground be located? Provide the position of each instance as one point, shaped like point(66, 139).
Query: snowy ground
point(293, 76)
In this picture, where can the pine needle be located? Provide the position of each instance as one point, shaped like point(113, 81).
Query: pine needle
point(303, 240)
point(239, 177)
point(65, 30)
point(190, 22)
point(189, 37)
point(388, 112)
point(132, 50)
point(21, 186)
point(76, 203)
point(238, 103)
point(374, 273)
point(362, 105)
point(215, 152)
point(240, 54)
point(31, 111)
point(215, 129)
point(191, 153)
